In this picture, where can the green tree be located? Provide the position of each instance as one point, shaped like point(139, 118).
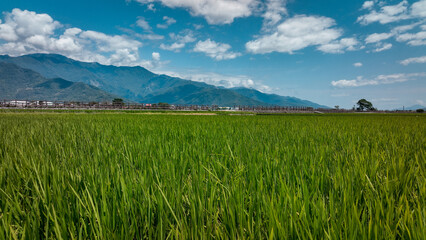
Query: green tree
point(118, 102)
point(363, 104)
point(163, 105)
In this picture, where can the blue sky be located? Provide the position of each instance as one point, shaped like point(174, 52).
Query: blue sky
point(330, 52)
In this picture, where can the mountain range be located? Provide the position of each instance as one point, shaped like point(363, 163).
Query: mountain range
point(55, 77)
point(24, 84)
point(412, 108)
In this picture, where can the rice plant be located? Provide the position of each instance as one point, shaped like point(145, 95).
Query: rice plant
point(135, 176)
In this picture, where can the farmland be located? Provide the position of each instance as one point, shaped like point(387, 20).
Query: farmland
point(135, 176)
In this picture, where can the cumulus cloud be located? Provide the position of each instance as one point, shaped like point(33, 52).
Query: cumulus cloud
point(197, 26)
point(396, 31)
point(300, 32)
point(167, 22)
point(358, 64)
point(377, 37)
point(386, 14)
point(414, 60)
point(400, 33)
point(392, 13)
point(25, 32)
point(141, 22)
point(180, 40)
point(413, 39)
point(339, 46)
point(368, 5)
point(155, 56)
point(107, 43)
point(379, 80)
point(176, 47)
point(217, 51)
point(380, 47)
point(149, 36)
point(418, 9)
point(23, 24)
point(151, 7)
point(405, 28)
point(214, 11)
point(275, 9)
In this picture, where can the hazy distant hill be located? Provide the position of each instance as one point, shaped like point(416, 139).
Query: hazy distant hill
point(24, 84)
point(274, 99)
point(414, 107)
point(202, 94)
point(140, 85)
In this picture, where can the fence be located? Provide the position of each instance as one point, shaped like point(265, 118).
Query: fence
point(31, 104)
point(141, 106)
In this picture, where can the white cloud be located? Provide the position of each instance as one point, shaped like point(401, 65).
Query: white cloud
point(150, 36)
point(386, 14)
point(392, 13)
point(226, 81)
point(197, 26)
point(404, 28)
point(151, 7)
point(275, 9)
point(185, 36)
point(358, 64)
point(23, 24)
point(108, 43)
point(368, 5)
point(154, 63)
point(155, 56)
point(214, 11)
point(399, 33)
point(339, 46)
point(141, 22)
point(25, 32)
point(172, 47)
point(418, 9)
point(414, 60)
point(167, 22)
point(180, 40)
point(377, 37)
point(383, 47)
point(297, 33)
point(28, 32)
point(395, 13)
point(413, 39)
point(7, 32)
point(379, 80)
point(217, 51)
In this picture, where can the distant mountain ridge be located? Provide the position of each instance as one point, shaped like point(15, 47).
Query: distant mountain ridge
point(140, 85)
point(411, 108)
point(24, 84)
point(274, 99)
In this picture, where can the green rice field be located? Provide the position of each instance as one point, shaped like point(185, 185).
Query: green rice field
point(160, 176)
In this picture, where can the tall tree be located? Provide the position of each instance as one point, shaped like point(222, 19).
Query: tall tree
point(118, 102)
point(363, 104)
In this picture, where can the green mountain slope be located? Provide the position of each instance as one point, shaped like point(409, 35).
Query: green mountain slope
point(24, 84)
point(123, 81)
point(199, 95)
point(140, 85)
point(276, 100)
